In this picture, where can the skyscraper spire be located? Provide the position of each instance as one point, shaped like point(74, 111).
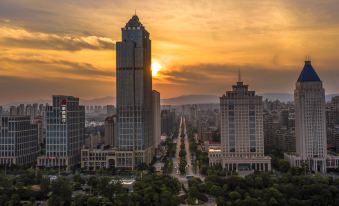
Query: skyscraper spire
point(310, 122)
point(307, 59)
point(239, 75)
point(308, 74)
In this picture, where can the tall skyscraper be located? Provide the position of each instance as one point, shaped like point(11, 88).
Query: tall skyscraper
point(242, 138)
point(18, 140)
point(156, 118)
point(310, 121)
point(65, 125)
point(134, 95)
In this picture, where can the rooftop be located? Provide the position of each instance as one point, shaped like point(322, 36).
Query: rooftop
point(308, 74)
point(134, 22)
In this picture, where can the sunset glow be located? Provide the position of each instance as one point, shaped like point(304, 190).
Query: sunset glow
point(197, 48)
point(156, 67)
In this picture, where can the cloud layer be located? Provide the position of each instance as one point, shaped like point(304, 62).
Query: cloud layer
point(201, 44)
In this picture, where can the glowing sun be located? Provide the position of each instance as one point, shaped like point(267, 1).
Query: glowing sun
point(156, 67)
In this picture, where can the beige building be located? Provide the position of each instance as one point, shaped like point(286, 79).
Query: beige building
point(242, 140)
point(94, 159)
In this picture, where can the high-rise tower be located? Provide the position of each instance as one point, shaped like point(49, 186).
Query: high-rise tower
point(134, 95)
point(310, 121)
point(241, 123)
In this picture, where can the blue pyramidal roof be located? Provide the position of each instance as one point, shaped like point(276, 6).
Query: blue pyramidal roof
point(308, 74)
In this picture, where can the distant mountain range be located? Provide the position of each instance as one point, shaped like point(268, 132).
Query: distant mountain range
point(210, 99)
point(213, 99)
point(191, 99)
point(180, 100)
point(108, 100)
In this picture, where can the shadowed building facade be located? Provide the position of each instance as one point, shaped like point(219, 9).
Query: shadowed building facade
point(156, 118)
point(134, 96)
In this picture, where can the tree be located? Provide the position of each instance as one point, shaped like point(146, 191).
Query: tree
point(79, 200)
point(15, 200)
point(55, 200)
point(283, 165)
point(44, 186)
point(77, 178)
point(61, 189)
point(168, 199)
point(216, 191)
point(273, 202)
point(92, 182)
point(3, 199)
point(93, 201)
point(193, 192)
point(234, 195)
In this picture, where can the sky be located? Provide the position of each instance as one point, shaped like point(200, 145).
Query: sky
point(68, 46)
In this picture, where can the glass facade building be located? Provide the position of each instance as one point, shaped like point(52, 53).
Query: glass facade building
point(18, 140)
point(134, 95)
point(65, 125)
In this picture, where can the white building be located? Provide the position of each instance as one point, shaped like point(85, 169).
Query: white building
point(156, 118)
point(242, 141)
point(310, 123)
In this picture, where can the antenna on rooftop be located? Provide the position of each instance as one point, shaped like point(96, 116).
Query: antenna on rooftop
point(307, 58)
point(239, 75)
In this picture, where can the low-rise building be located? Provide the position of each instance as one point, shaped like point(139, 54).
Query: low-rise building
point(159, 167)
point(94, 159)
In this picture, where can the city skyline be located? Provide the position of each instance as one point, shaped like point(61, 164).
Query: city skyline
point(181, 102)
point(198, 42)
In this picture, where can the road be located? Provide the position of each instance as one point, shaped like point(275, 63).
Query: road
point(188, 152)
point(176, 160)
point(189, 170)
point(175, 172)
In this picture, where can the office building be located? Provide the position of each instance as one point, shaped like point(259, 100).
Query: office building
point(134, 96)
point(310, 123)
point(98, 158)
point(65, 125)
point(18, 141)
point(242, 138)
